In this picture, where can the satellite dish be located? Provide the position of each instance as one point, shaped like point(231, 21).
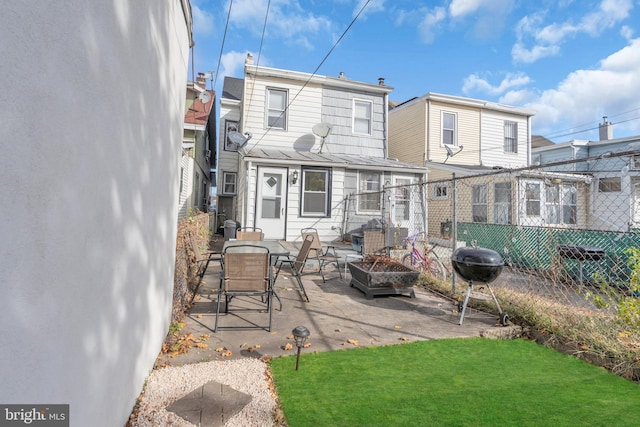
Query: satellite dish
point(239, 139)
point(322, 130)
point(449, 151)
point(204, 97)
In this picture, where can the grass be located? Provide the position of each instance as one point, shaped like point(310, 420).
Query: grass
point(454, 382)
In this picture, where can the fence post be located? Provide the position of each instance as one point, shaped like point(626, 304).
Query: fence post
point(454, 226)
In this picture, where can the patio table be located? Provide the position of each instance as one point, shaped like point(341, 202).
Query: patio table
point(274, 246)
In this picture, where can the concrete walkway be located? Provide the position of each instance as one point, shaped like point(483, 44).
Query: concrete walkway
point(338, 316)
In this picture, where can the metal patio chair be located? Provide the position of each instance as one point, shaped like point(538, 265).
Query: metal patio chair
point(250, 233)
point(296, 264)
point(246, 272)
point(323, 256)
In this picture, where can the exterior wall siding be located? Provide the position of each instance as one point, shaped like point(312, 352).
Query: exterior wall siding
point(408, 133)
point(492, 140)
point(468, 133)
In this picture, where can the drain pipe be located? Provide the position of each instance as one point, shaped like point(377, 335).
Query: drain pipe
point(454, 225)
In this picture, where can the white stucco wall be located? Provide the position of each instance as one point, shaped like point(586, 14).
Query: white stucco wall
point(92, 105)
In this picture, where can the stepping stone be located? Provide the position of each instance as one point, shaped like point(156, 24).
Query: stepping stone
point(210, 405)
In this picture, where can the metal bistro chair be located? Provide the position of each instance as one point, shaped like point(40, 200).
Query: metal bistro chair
point(374, 243)
point(247, 271)
point(296, 264)
point(203, 258)
point(250, 233)
point(324, 256)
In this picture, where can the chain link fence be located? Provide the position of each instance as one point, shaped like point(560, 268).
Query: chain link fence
point(568, 232)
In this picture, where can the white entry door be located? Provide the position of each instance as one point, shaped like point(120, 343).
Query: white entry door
point(401, 206)
point(271, 201)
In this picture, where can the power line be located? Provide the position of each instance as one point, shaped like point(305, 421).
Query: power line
point(315, 71)
point(224, 37)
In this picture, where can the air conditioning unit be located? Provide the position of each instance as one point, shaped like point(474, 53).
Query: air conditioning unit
point(635, 163)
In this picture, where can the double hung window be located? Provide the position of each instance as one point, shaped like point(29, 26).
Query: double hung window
point(277, 108)
point(316, 192)
point(228, 183)
point(510, 137)
point(479, 203)
point(362, 117)
point(369, 188)
point(449, 129)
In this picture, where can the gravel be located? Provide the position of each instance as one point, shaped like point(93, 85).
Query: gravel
point(169, 384)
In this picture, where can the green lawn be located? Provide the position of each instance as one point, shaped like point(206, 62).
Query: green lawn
point(453, 382)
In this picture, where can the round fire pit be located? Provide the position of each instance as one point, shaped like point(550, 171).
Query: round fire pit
point(478, 265)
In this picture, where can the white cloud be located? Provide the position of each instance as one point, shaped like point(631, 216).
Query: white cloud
point(286, 20)
point(374, 6)
point(463, 7)
point(202, 21)
point(627, 32)
point(475, 83)
point(232, 64)
point(430, 24)
point(584, 96)
point(546, 39)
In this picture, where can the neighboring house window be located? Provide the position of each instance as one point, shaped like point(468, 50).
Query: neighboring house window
point(277, 108)
point(610, 185)
point(479, 203)
point(316, 192)
point(440, 191)
point(449, 129)
point(532, 196)
point(561, 204)
point(228, 183)
point(635, 162)
point(230, 126)
point(369, 182)
point(502, 203)
point(362, 117)
point(510, 137)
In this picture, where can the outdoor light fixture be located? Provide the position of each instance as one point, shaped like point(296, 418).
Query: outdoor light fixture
point(294, 177)
point(300, 334)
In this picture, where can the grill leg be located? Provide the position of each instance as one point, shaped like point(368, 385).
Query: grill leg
point(466, 301)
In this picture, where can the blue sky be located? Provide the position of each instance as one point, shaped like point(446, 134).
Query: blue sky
point(573, 61)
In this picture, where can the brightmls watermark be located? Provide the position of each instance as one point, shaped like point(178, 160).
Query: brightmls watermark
point(34, 415)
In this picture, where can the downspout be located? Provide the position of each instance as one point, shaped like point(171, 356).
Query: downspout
point(479, 139)
point(386, 126)
point(529, 151)
point(245, 200)
point(426, 131)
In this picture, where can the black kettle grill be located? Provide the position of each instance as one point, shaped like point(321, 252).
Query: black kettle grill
point(478, 265)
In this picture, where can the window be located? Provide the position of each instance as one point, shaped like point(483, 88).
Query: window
point(316, 192)
point(609, 185)
point(449, 129)
point(479, 203)
point(230, 126)
point(440, 191)
point(362, 117)
point(277, 108)
point(635, 163)
point(502, 203)
point(228, 183)
point(532, 196)
point(510, 137)
point(561, 204)
point(369, 182)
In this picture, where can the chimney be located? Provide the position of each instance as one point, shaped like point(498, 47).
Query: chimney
point(606, 129)
point(201, 80)
point(381, 81)
point(249, 60)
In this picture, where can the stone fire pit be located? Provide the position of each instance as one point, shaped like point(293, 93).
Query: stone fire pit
point(383, 277)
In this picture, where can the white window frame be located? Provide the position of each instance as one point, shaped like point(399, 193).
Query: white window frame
point(454, 130)
point(362, 191)
point(440, 192)
point(510, 137)
point(499, 206)
point(280, 111)
point(478, 202)
point(229, 178)
point(530, 201)
point(563, 205)
point(326, 191)
point(356, 118)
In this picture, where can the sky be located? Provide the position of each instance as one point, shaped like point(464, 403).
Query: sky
point(572, 61)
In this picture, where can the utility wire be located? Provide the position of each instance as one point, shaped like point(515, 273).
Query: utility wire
point(314, 71)
point(264, 29)
point(224, 37)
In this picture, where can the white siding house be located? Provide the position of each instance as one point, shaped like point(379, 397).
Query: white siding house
point(288, 174)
